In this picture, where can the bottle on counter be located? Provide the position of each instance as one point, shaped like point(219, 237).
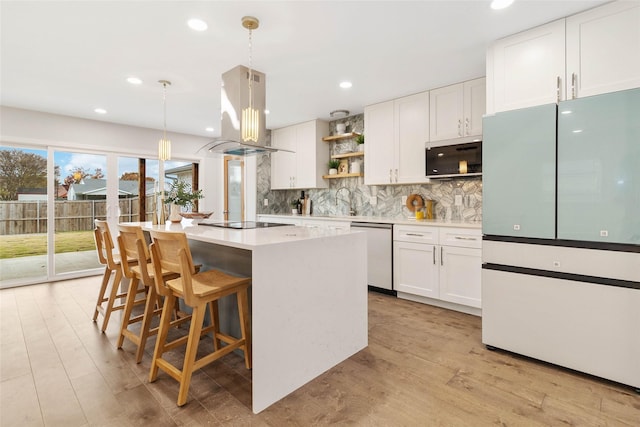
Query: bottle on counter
point(300, 205)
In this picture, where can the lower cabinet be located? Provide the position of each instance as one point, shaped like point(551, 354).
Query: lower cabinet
point(438, 265)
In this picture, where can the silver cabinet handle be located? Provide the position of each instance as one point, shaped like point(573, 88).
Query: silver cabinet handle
point(434, 255)
point(574, 77)
point(390, 176)
point(396, 175)
point(558, 84)
point(459, 127)
point(441, 256)
point(466, 126)
point(415, 234)
point(465, 238)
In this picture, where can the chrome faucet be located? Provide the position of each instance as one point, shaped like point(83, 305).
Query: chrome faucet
point(351, 211)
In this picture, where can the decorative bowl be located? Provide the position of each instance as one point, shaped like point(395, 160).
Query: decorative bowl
point(196, 217)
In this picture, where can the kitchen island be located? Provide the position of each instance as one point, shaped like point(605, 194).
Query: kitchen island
point(308, 297)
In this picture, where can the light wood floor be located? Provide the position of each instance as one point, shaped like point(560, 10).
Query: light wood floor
point(424, 366)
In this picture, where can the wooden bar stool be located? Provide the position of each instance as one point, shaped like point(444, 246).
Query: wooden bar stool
point(132, 244)
point(170, 251)
point(112, 262)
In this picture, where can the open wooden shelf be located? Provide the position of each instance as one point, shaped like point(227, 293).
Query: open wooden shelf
point(344, 175)
point(341, 136)
point(345, 155)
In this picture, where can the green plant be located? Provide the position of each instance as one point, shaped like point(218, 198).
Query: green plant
point(360, 139)
point(294, 203)
point(334, 163)
point(180, 193)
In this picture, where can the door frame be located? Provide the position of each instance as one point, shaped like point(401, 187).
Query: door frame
point(225, 212)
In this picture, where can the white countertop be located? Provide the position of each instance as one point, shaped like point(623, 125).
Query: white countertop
point(385, 220)
point(246, 238)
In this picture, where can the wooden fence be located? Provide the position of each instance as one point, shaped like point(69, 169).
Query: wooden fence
point(28, 217)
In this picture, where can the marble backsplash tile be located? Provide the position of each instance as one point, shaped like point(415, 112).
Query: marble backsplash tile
point(330, 201)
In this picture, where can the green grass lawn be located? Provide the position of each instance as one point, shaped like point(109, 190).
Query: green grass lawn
point(21, 245)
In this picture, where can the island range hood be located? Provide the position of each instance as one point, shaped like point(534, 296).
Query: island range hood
point(234, 97)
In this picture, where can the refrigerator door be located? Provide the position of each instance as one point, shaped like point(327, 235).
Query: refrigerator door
point(519, 173)
point(599, 168)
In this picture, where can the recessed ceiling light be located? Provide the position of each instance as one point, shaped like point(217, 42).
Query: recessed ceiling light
point(209, 129)
point(134, 80)
point(197, 24)
point(100, 111)
point(500, 4)
point(267, 111)
point(345, 85)
point(577, 131)
point(565, 112)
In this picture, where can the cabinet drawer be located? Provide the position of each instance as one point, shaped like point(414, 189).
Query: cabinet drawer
point(314, 223)
point(461, 237)
point(417, 234)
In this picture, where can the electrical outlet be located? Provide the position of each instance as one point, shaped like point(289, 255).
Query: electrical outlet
point(457, 200)
point(604, 233)
point(373, 200)
point(404, 200)
point(516, 227)
point(265, 203)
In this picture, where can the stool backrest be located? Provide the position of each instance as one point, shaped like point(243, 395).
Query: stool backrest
point(170, 252)
point(129, 248)
point(104, 244)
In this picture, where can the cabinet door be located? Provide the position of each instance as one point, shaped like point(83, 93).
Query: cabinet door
point(415, 269)
point(411, 116)
point(475, 103)
point(379, 146)
point(603, 50)
point(460, 275)
point(524, 69)
point(283, 164)
point(446, 112)
point(305, 138)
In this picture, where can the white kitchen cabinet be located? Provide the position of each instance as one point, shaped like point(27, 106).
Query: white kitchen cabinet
point(527, 68)
point(305, 166)
point(586, 54)
point(603, 49)
point(396, 134)
point(456, 111)
point(443, 265)
point(379, 143)
point(283, 163)
point(415, 269)
point(326, 223)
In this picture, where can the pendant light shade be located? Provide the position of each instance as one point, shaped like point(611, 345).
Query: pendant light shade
point(164, 145)
point(250, 125)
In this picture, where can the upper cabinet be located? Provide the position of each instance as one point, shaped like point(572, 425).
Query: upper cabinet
point(396, 132)
point(535, 68)
point(456, 111)
point(526, 69)
point(304, 167)
point(603, 50)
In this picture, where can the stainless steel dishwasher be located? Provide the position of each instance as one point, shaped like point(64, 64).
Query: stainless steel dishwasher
point(379, 255)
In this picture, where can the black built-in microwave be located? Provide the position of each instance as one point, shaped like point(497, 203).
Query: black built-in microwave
point(454, 160)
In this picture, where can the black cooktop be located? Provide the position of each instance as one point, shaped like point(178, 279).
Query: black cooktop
point(243, 224)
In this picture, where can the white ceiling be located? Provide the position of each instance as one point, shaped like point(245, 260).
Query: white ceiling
point(69, 57)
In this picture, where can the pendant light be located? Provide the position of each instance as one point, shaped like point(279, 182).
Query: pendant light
point(164, 145)
point(250, 125)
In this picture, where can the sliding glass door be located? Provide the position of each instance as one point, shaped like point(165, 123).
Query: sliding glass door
point(23, 215)
point(50, 198)
point(81, 190)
